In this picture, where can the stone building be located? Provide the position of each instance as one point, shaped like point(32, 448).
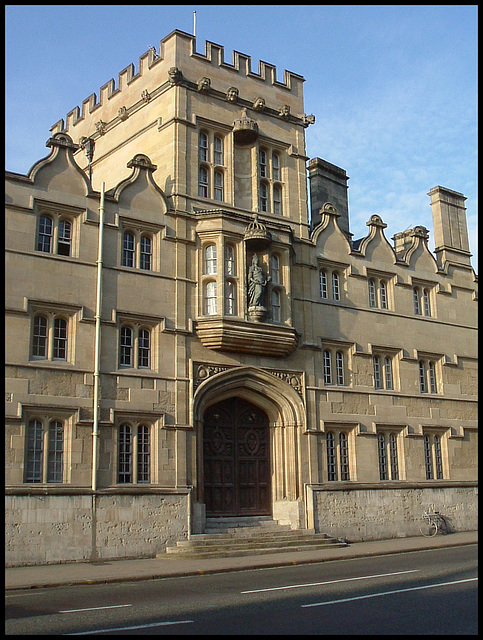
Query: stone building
point(185, 341)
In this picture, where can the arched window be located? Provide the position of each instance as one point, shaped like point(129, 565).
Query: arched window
point(44, 239)
point(35, 445)
point(426, 303)
point(344, 456)
point(229, 260)
point(276, 306)
point(335, 286)
point(44, 436)
point(383, 294)
point(203, 147)
point(262, 164)
point(432, 377)
point(263, 197)
point(210, 299)
point(277, 200)
point(218, 150)
point(143, 455)
point(203, 182)
point(372, 293)
point(127, 347)
point(230, 298)
point(128, 248)
point(323, 283)
point(146, 253)
point(331, 457)
point(55, 466)
point(218, 185)
point(388, 372)
point(327, 367)
point(210, 259)
point(423, 387)
point(275, 268)
point(275, 166)
point(339, 361)
point(125, 458)
point(64, 239)
point(417, 301)
point(377, 372)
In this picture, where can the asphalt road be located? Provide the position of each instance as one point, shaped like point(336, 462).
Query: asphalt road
point(425, 592)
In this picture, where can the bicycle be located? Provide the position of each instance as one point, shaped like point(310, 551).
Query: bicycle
point(433, 523)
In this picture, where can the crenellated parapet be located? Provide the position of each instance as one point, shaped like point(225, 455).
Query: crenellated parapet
point(178, 63)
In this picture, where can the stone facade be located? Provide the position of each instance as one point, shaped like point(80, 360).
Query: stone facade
point(361, 354)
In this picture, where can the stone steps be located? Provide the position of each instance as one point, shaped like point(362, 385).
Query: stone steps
point(248, 536)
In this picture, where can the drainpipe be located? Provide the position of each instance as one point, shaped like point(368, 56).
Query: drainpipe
point(97, 350)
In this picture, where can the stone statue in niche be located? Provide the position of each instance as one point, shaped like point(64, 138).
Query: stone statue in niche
point(257, 282)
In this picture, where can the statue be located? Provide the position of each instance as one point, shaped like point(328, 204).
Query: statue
point(257, 282)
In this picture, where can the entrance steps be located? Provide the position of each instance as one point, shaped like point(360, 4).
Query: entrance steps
point(234, 537)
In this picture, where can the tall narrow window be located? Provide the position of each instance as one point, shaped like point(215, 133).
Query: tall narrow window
point(127, 346)
point(65, 238)
point(144, 455)
point(417, 301)
point(218, 150)
point(35, 440)
point(388, 372)
point(263, 197)
point(339, 361)
point(128, 250)
point(125, 454)
point(428, 460)
point(277, 200)
point(383, 294)
point(229, 260)
point(331, 457)
point(423, 387)
point(275, 166)
point(55, 466)
point(203, 182)
point(437, 457)
point(327, 367)
point(372, 293)
point(210, 299)
point(381, 447)
point(60, 339)
point(393, 456)
point(144, 348)
point(230, 293)
point(203, 147)
point(323, 283)
point(377, 372)
point(335, 286)
point(39, 347)
point(210, 259)
point(262, 164)
point(275, 268)
point(146, 253)
point(432, 377)
point(218, 185)
point(344, 456)
point(276, 306)
point(44, 240)
point(426, 303)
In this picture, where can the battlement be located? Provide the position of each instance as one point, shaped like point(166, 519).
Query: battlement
point(178, 51)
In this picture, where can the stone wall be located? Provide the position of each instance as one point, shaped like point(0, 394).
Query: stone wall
point(383, 513)
point(50, 529)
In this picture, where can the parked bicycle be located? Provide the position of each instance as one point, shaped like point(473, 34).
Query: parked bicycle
point(432, 524)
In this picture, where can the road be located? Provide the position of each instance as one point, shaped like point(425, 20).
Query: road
point(425, 592)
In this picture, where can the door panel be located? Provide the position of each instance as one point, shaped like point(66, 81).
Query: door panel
point(236, 456)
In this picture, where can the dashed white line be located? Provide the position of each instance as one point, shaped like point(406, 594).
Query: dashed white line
point(388, 593)
point(112, 606)
point(140, 626)
point(317, 584)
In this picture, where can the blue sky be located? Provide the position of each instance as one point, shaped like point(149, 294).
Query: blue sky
point(393, 87)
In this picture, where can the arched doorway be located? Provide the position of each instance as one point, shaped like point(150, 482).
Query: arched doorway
point(236, 459)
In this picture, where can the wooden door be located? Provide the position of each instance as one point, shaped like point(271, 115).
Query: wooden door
point(236, 456)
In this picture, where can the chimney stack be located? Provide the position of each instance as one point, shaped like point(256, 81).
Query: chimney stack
point(450, 229)
point(328, 183)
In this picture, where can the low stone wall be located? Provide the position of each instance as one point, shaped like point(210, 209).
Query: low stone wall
point(50, 529)
point(375, 513)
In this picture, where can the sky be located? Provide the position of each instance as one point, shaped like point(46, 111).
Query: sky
point(393, 87)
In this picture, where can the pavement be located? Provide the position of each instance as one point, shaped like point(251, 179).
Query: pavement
point(101, 572)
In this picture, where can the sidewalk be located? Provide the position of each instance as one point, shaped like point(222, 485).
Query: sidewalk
point(152, 568)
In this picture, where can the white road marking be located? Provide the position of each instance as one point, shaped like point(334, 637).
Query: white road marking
point(112, 606)
point(317, 584)
point(388, 593)
point(141, 626)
